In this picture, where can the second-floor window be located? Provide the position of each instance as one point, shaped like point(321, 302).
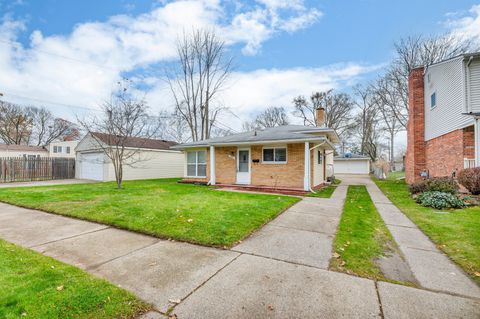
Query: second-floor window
point(433, 100)
point(68, 149)
point(55, 150)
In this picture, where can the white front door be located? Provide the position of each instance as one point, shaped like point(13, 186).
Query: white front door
point(243, 166)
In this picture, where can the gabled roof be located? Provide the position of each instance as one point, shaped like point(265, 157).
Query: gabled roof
point(285, 133)
point(135, 142)
point(14, 147)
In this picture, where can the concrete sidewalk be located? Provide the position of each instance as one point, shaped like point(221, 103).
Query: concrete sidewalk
point(46, 183)
point(200, 282)
point(432, 269)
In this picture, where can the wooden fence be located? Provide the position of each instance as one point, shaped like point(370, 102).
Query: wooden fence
point(21, 169)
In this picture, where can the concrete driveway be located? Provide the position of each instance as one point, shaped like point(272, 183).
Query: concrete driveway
point(279, 272)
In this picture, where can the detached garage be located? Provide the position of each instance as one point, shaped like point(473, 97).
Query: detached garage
point(351, 164)
point(153, 159)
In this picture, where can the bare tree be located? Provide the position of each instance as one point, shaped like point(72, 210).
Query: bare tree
point(16, 123)
point(46, 128)
point(271, 117)
point(338, 109)
point(367, 128)
point(123, 120)
point(412, 52)
point(391, 125)
point(201, 73)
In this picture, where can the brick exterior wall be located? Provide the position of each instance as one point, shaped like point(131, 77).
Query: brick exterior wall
point(469, 142)
point(289, 175)
point(280, 175)
point(441, 156)
point(415, 159)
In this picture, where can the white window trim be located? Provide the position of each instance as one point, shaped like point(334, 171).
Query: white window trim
point(196, 163)
point(275, 147)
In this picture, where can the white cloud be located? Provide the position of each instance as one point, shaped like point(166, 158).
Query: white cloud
point(466, 26)
point(248, 93)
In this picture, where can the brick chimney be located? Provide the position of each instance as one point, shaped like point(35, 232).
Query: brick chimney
point(320, 117)
point(415, 159)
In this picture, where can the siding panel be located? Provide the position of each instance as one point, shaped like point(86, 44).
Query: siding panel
point(475, 86)
point(447, 81)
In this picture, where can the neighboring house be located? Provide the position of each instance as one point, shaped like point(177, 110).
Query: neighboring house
point(62, 149)
point(292, 156)
point(444, 113)
point(154, 159)
point(27, 151)
point(351, 164)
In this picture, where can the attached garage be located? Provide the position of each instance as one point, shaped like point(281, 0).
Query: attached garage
point(152, 159)
point(351, 164)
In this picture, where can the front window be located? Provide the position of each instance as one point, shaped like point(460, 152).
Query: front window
point(275, 155)
point(197, 164)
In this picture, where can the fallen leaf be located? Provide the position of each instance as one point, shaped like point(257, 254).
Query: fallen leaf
point(60, 287)
point(270, 307)
point(24, 314)
point(153, 264)
point(336, 255)
point(189, 220)
point(174, 316)
point(176, 301)
point(342, 249)
point(477, 274)
point(342, 263)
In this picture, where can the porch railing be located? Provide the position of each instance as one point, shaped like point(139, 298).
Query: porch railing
point(468, 163)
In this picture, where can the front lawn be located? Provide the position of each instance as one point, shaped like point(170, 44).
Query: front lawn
point(36, 286)
point(162, 207)
point(362, 236)
point(456, 232)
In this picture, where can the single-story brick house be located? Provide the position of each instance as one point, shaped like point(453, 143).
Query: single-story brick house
point(293, 157)
point(443, 131)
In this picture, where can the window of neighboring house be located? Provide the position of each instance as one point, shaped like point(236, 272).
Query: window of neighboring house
point(275, 155)
point(55, 150)
point(197, 164)
point(59, 148)
point(68, 149)
point(433, 100)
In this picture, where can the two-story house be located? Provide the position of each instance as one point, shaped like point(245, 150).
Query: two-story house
point(444, 118)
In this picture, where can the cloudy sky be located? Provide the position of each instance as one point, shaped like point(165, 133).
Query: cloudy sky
point(68, 55)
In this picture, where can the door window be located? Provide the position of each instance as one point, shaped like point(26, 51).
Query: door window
point(243, 161)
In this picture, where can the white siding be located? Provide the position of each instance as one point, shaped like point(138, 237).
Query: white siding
point(446, 79)
point(317, 169)
point(152, 164)
point(474, 77)
point(63, 145)
point(15, 153)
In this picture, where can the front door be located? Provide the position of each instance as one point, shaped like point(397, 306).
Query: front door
point(243, 166)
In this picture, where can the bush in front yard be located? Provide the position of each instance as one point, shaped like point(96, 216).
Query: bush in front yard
point(436, 184)
point(470, 178)
point(439, 200)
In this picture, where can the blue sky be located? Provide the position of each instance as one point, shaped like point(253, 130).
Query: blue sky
point(69, 54)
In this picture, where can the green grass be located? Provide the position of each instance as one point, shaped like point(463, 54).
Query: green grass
point(395, 175)
point(36, 286)
point(456, 232)
point(162, 207)
point(362, 236)
point(326, 191)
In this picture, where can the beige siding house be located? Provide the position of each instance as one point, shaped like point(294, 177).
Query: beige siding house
point(62, 149)
point(292, 157)
point(11, 150)
point(154, 159)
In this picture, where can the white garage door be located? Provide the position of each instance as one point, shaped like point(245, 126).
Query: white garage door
point(352, 167)
point(91, 166)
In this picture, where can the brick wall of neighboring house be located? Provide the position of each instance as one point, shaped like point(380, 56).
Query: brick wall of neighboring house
point(444, 154)
point(415, 160)
point(280, 175)
point(469, 142)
